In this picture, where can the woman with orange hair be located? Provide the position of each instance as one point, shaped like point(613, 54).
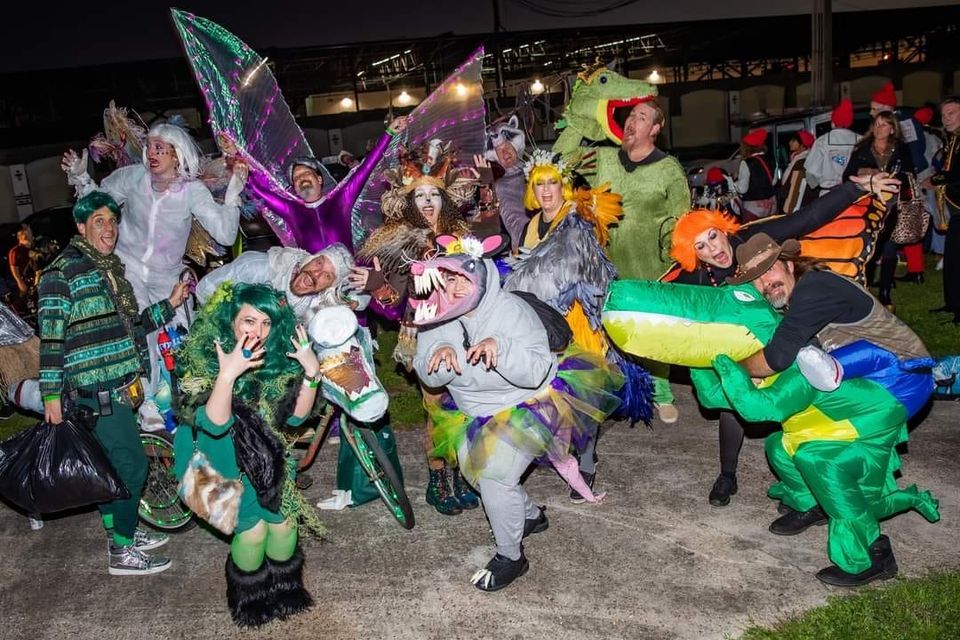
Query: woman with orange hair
point(704, 244)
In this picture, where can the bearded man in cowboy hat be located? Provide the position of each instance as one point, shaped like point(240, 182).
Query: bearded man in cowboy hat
point(824, 309)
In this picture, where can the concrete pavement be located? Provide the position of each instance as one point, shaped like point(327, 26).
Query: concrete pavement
point(654, 561)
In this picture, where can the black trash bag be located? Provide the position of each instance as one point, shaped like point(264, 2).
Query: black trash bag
point(48, 468)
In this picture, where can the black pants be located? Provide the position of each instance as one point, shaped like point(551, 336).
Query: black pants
point(731, 439)
point(951, 262)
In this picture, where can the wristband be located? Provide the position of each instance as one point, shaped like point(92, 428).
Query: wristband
point(311, 383)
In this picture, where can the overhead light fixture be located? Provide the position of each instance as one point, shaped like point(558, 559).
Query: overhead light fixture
point(347, 102)
point(403, 98)
point(461, 89)
point(537, 87)
point(654, 77)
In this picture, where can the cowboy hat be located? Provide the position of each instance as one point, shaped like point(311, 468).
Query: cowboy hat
point(757, 255)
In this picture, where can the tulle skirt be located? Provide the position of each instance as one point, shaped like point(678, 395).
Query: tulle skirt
point(566, 413)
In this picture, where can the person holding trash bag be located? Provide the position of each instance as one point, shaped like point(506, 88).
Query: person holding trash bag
point(92, 353)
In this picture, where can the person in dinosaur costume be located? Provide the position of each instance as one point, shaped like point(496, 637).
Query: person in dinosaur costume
point(606, 106)
point(837, 449)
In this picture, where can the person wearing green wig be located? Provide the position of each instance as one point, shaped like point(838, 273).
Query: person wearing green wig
point(240, 371)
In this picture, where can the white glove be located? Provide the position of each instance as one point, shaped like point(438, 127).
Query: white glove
point(235, 187)
point(822, 370)
point(76, 168)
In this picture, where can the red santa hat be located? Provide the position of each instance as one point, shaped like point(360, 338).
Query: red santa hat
point(842, 115)
point(923, 115)
point(806, 138)
point(755, 137)
point(714, 175)
point(885, 95)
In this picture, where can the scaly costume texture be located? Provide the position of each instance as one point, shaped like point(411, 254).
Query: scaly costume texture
point(836, 449)
point(654, 193)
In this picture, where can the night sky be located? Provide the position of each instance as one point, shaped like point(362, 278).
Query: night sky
point(41, 35)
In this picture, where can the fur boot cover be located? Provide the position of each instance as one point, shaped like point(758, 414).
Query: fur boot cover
point(250, 595)
point(290, 596)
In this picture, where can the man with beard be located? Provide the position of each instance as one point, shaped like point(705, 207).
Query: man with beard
point(310, 281)
point(658, 195)
point(819, 307)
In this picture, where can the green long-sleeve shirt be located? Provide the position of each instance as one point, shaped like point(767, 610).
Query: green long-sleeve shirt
point(83, 342)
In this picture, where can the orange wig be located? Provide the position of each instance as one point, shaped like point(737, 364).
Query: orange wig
point(692, 224)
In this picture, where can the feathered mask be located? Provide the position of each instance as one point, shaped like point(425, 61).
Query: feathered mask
point(429, 164)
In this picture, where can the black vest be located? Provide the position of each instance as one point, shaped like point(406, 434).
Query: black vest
point(761, 182)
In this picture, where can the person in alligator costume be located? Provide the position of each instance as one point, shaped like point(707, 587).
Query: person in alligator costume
point(836, 455)
point(510, 399)
point(606, 108)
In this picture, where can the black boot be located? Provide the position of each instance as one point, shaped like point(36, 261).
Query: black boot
point(887, 269)
point(536, 525)
point(883, 567)
point(915, 277)
point(463, 493)
point(798, 521)
point(439, 495)
point(290, 596)
point(724, 487)
point(249, 595)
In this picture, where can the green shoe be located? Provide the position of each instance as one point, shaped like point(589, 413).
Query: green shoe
point(439, 495)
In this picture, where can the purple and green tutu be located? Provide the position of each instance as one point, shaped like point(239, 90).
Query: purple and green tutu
point(566, 413)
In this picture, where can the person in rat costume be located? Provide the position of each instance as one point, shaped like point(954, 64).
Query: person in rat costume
point(511, 399)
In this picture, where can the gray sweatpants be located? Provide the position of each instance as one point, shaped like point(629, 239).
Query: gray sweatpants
point(506, 502)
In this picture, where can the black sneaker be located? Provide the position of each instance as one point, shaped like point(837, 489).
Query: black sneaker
point(536, 525)
point(575, 496)
point(500, 572)
point(883, 567)
point(798, 521)
point(7, 411)
point(724, 487)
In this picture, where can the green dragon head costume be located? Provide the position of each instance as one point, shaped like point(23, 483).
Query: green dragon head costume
point(836, 449)
point(601, 101)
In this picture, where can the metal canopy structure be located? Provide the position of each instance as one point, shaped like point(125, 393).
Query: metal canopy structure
point(66, 104)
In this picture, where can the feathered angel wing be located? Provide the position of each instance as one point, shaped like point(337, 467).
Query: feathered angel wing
point(245, 104)
point(454, 112)
point(569, 265)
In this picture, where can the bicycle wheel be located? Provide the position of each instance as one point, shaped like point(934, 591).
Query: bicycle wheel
point(160, 506)
point(380, 471)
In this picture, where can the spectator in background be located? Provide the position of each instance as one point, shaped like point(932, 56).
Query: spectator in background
point(793, 189)
point(755, 178)
point(947, 184)
point(885, 99)
point(23, 268)
point(830, 153)
point(924, 116)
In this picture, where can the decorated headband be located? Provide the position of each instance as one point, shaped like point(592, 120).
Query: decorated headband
point(544, 158)
point(429, 164)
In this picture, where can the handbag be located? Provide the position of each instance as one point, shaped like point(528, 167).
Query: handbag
point(208, 494)
point(912, 216)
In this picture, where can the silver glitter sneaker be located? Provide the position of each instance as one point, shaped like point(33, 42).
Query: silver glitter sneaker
point(144, 540)
point(130, 561)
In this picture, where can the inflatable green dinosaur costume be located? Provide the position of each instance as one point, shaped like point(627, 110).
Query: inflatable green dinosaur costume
point(836, 449)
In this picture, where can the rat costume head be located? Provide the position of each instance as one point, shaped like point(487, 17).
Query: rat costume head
point(505, 142)
point(427, 191)
point(170, 146)
point(453, 283)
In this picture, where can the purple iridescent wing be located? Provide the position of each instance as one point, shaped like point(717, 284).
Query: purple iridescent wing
point(453, 112)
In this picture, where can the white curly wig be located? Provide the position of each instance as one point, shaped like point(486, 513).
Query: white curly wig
point(188, 153)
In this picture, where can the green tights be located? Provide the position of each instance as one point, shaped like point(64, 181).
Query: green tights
point(274, 541)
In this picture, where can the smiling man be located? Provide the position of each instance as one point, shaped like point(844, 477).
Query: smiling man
point(93, 351)
point(310, 281)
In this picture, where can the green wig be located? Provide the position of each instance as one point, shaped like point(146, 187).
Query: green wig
point(197, 363)
point(92, 202)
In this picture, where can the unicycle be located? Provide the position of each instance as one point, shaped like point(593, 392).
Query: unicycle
point(160, 506)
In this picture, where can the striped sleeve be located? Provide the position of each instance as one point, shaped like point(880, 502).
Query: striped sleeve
point(53, 315)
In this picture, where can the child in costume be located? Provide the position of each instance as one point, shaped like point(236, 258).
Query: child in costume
point(511, 399)
point(241, 386)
